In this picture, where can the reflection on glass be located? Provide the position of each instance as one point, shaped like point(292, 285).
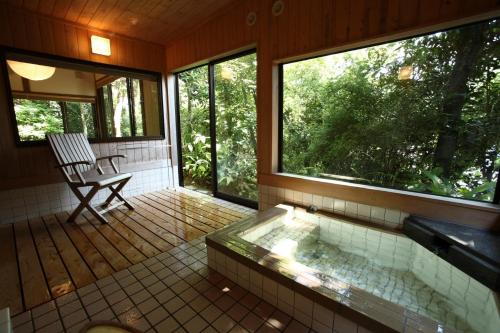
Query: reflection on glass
point(195, 128)
point(236, 122)
point(37, 117)
point(138, 107)
point(79, 117)
point(98, 104)
point(120, 112)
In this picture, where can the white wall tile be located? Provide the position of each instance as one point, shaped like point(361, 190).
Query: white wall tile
point(41, 200)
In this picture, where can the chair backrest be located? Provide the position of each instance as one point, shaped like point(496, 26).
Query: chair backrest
point(71, 147)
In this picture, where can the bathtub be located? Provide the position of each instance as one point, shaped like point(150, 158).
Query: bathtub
point(324, 269)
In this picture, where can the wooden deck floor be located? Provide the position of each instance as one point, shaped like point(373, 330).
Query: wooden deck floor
point(43, 258)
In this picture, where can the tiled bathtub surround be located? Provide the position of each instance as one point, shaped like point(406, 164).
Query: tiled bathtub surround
point(270, 196)
point(387, 265)
point(303, 309)
point(35, 201)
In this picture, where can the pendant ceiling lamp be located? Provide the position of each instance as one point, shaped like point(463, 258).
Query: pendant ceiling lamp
point(31, 71)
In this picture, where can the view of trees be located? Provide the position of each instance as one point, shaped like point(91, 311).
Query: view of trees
point(117, 96)
point(235, 113)
point(35, 118)
point(195, 128)
point(421, 114)
point(236, 126)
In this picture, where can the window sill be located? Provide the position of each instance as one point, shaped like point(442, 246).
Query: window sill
point(92, 141)
point(474, 213)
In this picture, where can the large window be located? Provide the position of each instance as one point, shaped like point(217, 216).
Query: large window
point(217, 128)
point(54, 96)
point(420, 114)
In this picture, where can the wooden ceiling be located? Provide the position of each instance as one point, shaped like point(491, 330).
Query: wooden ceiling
point(152, 20)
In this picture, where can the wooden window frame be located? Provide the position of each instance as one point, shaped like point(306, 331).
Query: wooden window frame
point(482, 215)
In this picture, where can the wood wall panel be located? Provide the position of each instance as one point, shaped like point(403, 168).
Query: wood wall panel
point(29, 166)
point(308, 28)
point(30, 31)
point(151, 20)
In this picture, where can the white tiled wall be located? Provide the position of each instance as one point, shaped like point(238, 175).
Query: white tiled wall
point(294, 304)
point(270, 196)
point(22, 203)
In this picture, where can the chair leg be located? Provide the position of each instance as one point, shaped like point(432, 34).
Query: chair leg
point(116, 193)
point(97, 215)
point(84, 202)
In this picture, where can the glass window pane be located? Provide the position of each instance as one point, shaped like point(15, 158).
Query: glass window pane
point(138, 107)
point(120, 112)
point(35, 118)
point(80, 118)
point(236, 126)
point(150, 108)
point(417, 114)
point(195, 128)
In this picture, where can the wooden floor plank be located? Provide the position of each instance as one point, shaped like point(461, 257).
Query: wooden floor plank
point(176, 227)
point(209, 219)
point(212, 213)
point(10, 285)
point(47, 257)
point(179, 216)
point(209, 202)
point(97, 263)
point(58, 279)
point(159, 227)
point(121, 244)
point(133, 220)
point(35, 289)
point(134, 238)
point(105, 248)
point(76, 265)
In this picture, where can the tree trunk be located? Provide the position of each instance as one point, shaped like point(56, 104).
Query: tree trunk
point(470, 43)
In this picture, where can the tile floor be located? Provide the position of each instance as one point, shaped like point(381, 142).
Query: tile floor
point(174, 291)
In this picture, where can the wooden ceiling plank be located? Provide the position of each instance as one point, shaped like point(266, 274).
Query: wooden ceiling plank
point(111, 19)
point(75, 10)
point(46, 7)
point(88, 12)
point(100, 15)
point(61, 8)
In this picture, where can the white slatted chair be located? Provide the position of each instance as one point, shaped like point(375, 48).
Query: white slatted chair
point(75, 157)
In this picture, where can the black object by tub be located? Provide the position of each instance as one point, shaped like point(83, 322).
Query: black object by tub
point(473, 251)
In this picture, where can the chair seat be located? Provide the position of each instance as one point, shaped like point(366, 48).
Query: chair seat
point(106, 180)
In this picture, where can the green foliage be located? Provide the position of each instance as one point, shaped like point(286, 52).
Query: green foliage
point(195, 128)
point(196, 159)
point(35, 118)
point(235, 109)
point(349, 115)
point(236, 119)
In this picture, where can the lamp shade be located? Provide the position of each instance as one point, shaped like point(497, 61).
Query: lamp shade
point(31, 71)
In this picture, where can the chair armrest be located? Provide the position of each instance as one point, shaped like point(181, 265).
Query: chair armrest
point(110, 159)
point(72, 164)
